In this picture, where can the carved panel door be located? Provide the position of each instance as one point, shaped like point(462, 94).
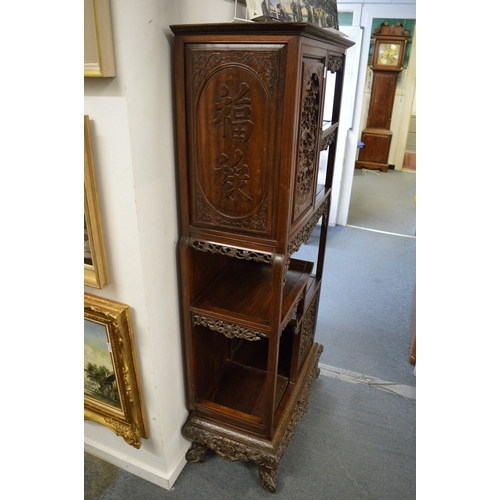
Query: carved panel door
point(233, 95)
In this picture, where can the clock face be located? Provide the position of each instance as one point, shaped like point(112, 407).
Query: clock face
point(388, 54)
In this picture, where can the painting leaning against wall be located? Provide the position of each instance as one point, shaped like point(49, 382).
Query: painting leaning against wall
point(112, 389)
point(95, 262)
point(99, 371)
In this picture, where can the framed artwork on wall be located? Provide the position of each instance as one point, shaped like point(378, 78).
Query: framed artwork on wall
point(112, 389)
point(99, 57)
point(95, 263)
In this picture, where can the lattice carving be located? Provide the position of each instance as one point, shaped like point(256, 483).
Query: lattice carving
point(309, 130)
point(229, 330)
point(307, 332)
point(238, 253)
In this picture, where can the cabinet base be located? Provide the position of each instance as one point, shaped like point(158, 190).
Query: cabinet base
point(233, 444)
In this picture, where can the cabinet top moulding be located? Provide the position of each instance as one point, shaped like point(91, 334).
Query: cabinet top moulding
point(269, 28)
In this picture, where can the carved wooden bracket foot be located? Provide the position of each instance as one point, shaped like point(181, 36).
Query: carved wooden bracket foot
point(268, 479)
point(197, 453)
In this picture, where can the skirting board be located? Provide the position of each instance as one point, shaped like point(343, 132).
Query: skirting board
point(165, 480)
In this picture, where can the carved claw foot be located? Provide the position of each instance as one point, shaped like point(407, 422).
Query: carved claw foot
point(268, 479)
point(197, 453)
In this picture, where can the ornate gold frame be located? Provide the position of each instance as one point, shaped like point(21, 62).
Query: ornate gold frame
point(99, 56)
point(97, 274)
point(128, 422)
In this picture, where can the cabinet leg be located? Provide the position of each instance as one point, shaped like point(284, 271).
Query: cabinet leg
point(196, 453)
point(268, 478)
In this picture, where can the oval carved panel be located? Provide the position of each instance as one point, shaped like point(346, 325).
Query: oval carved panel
point(231, 166)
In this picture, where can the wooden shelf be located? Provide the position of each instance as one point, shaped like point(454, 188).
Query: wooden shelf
point(241, 388)
point(242, 292)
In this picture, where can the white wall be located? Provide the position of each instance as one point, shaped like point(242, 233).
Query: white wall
point(132, 122)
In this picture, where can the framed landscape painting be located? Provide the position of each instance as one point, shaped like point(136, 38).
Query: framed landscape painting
point(95, 262)
point(112, 389)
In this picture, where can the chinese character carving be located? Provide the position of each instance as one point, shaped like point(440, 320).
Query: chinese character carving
point(234, 113)
point(233, 176)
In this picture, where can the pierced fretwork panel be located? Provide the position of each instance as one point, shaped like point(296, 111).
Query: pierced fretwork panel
point(309, 136)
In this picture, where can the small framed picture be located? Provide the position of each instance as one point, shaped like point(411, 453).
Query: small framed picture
point(262, 10)
point(321, 13)
point(112, 389)
point(95, 263)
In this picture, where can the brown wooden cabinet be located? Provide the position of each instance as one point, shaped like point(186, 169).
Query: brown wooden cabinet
point(249, 100)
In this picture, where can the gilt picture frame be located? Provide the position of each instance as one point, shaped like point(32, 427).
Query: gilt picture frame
point(112, 388)
point(95, 262)
point(99, 55)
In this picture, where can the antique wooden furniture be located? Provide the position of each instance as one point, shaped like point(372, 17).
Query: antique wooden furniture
point(249, 100)
point(387, 62)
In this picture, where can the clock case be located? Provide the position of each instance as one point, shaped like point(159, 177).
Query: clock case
point(377, 135)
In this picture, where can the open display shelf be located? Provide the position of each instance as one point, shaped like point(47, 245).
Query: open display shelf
point(250, 100)
point(244, 290)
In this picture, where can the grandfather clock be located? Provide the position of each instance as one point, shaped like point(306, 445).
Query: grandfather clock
point(387, 62)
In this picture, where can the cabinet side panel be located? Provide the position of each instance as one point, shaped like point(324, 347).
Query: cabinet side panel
point(309, 135)
point(233, 92)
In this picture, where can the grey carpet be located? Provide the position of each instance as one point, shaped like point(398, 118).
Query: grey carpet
point(364, 317)
point(384, 201)
point(356, 441)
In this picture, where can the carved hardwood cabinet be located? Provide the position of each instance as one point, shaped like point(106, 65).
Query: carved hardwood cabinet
point(250, 129)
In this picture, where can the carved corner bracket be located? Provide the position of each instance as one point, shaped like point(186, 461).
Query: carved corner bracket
point(293, 312)
point(329, 137)
point(305, 233)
